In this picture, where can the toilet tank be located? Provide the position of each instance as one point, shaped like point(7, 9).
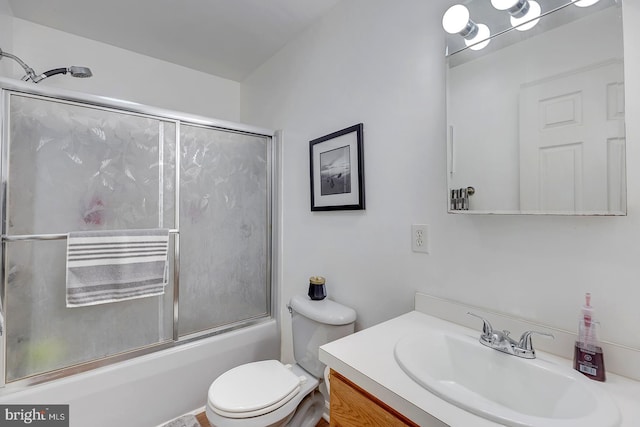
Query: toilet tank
point(315, 323)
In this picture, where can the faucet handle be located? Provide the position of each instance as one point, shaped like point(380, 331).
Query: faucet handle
point(487, 329)
point(525, 342)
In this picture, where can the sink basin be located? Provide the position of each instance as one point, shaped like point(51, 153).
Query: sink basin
point(503, 388)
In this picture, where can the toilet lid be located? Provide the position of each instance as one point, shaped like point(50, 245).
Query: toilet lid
point(253, 389)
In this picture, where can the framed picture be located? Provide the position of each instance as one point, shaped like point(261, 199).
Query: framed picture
point(337, 170)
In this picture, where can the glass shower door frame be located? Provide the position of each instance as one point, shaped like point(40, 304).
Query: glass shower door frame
point(9, 88)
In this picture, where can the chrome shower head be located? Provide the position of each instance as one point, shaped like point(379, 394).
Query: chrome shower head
point(74, 70)
point(81, 72)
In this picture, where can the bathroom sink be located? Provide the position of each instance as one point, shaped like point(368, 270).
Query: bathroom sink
point(503, 388)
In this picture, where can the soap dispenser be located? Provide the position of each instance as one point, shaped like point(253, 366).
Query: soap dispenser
point(588, 357)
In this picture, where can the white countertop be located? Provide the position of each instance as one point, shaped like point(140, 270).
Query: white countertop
point(367, 359)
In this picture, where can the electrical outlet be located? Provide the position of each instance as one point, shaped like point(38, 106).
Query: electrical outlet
point(420, 238)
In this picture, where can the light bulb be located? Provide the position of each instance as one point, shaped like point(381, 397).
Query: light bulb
point(531, 18)
point(517, 8)
point(585, 3)
point(503, 4)
point(455, 19)
point(483, 34)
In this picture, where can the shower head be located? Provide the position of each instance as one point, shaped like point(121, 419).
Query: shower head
point(75, 71)
point(81, 72)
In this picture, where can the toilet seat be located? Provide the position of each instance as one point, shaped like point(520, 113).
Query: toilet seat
point(253, 389)
point(277, 417)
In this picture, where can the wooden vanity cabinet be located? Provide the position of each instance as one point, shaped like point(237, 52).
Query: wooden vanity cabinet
point(351, 406)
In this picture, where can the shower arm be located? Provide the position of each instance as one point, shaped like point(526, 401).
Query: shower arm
point(30, 74)
point(49, 73)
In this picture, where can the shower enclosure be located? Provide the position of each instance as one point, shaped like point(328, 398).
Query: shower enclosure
point(72, 162)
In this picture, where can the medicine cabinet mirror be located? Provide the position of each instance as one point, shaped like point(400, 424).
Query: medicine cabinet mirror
point(535, 119)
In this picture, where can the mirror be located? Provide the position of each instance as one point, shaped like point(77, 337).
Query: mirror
point(536, 118)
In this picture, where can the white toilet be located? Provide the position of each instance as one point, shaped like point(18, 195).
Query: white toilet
point(268, 393)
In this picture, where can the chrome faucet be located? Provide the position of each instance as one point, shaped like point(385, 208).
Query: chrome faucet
point(501, 341)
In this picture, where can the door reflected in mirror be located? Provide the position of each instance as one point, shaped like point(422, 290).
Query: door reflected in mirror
point(536, 119)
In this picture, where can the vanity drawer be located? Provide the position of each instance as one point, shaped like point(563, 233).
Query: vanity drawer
point(351, 406)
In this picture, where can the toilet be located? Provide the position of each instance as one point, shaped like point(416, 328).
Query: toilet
point(269, 393)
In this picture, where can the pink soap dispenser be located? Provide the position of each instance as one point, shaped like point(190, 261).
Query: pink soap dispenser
point(588, 357)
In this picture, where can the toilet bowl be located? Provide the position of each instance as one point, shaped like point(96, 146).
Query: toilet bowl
point(268, 393)
point(259, 394)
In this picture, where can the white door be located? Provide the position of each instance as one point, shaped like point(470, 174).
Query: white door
point(572, 142)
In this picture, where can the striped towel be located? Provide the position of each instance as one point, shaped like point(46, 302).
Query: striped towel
point(115, 265)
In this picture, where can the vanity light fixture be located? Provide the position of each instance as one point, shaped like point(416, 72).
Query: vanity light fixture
point(585, 3)
point(517, 8)
point(525, 14)
point(456, 20)
point(481, 40)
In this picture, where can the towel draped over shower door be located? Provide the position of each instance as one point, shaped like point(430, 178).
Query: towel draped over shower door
point(115, 265)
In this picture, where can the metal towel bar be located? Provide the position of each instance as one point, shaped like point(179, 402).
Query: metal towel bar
point(36, 237)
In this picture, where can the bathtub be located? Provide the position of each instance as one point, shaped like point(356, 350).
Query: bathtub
point(150, 390)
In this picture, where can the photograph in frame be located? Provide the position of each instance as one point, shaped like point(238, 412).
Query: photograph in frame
point(337, 170)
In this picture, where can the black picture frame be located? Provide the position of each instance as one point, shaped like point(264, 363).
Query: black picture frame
point(336, 164)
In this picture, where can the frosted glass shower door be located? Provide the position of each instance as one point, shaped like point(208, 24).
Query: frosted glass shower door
point(76, 167)
point(224, 228)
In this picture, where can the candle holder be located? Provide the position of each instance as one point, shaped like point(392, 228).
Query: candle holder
point(317, 290)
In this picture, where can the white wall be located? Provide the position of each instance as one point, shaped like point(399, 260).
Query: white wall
point(6, 36)
point(119, 73)
point(381, 62)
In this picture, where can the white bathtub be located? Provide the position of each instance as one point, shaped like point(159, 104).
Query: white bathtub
point(155, 388)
